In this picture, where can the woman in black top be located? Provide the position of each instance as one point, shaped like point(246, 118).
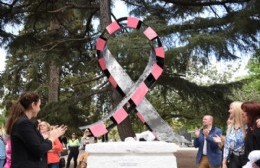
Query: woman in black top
point(29, 148)
point(252, 141)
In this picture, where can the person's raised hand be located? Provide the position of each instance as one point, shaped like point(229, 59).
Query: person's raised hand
point(258, 123)
point(217, 139)
point(56, 132)
point(197, 132)
point(206, 132)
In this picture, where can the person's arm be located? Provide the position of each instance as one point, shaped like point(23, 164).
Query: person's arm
point(198, 138)
point(258, 123)
point(68, 144)
point(78, 142)
point(226, 152)
point(257, 137)
point(31, 138)
point(220, 141)
point(210, 137)
point(83, 142)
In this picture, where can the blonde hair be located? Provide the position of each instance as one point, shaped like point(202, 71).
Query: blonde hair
point(45, 123)
point(238, 118)
point(230, 122)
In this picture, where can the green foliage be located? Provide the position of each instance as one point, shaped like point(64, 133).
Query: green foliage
point(251, 90)
point(254, 68)
point(191, 31)
point(2, 120)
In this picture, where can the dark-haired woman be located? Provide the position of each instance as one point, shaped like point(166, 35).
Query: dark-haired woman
point(29, 148)
point(73, 146)
point(252, 115)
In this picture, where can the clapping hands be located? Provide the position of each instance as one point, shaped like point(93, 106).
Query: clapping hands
point(57, 131)
point(197, 132)
point(258, 123)
point(217, 139)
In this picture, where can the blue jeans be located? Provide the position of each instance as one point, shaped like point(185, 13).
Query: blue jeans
point(53, 165)
point(2, 162)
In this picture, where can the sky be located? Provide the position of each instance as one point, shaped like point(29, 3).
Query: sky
point(2, 59)
point(120, 10)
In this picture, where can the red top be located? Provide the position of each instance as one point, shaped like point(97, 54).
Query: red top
point(53, 154)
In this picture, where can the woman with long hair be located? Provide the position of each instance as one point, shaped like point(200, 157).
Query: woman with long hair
point(252, 116)
point(29, 148)
point(234, 155)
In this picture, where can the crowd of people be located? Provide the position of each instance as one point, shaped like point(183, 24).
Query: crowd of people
point(31, 143)
point(239, 148)
point(28, 142)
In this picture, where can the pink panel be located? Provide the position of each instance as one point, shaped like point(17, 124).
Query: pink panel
point(112, 81)
point(159, 52)
point(139, 115)
point(100, 45)
point(150, 33)
point(98, 129)
point(139, 93)
point(157, 71)
point(120, 115)
point(132, 22)
point(113, 27)
point(102, 63)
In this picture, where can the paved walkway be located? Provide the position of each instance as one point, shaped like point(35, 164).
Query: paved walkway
point(71, 162)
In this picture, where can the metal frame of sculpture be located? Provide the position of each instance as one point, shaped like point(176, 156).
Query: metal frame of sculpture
point(133, 93)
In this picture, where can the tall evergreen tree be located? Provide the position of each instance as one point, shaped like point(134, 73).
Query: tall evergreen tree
point(59, 37)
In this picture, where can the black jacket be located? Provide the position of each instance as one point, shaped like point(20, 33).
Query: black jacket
point(252, 142)
point(29, 149)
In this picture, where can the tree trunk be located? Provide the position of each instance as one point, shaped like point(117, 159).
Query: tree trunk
point(125, 128)
point(53, 83)
point(105, 14)
point(54, 70)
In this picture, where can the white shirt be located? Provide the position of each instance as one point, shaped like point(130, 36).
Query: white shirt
point(204, 152)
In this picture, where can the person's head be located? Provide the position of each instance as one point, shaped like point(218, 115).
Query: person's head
point(236, 115)
point(27, 104)
point(207, 121)
point(44, 127)
point(251, 111)
point(236, 112)
point(87, 132)
point(73, 135)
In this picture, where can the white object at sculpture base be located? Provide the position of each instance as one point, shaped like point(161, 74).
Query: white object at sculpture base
point(132, 154)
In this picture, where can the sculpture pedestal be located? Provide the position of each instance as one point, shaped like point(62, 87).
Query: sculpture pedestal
point(132, 154)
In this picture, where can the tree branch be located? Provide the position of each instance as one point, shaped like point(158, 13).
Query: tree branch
point(91, 80)
point(203, 2)
point(56, 43)
point(74, 5)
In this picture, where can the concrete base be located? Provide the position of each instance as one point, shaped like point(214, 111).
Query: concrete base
point(133, 154)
